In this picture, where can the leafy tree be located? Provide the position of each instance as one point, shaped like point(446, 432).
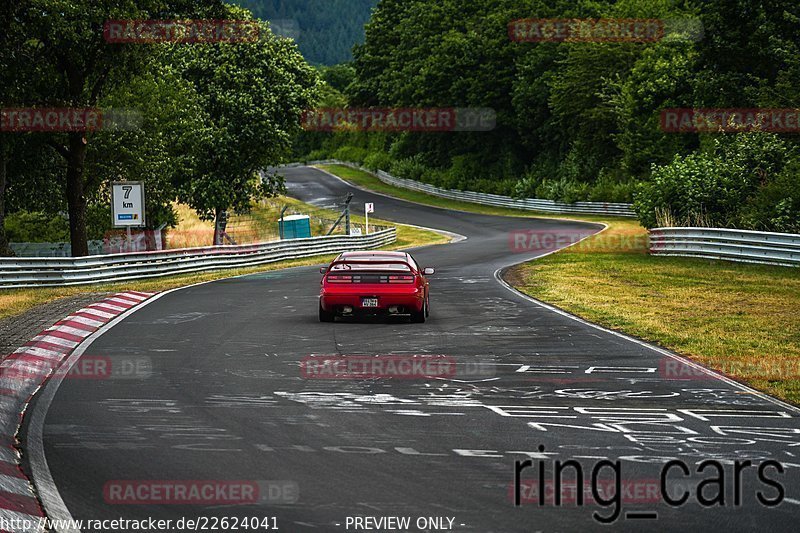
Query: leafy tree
point(5, 250)
point(746, 50)
point(253, 95)
point(10, 62)
point(338, 77)
point(76, 67)
point(161, 150)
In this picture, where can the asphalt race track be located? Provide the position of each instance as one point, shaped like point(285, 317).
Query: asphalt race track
point(225, 400)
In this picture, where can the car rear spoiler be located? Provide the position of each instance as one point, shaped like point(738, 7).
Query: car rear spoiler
point(325, 270)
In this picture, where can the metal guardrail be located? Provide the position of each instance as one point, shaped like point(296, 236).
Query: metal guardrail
point(531, 204)
point(728, 244)
point(59, 272)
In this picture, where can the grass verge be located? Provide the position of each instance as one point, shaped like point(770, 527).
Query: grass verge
point(16, 301)
point(737, 318)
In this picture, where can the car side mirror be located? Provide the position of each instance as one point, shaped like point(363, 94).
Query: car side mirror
point(322, 270)
point(429, 271)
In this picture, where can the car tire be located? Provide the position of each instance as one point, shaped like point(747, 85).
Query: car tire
point(418, 317)
point(325, 316)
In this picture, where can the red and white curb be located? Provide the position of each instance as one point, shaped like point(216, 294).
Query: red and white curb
point(22, 374)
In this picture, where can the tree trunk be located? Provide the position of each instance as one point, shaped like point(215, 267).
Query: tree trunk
point(76, 201)
point(217, 232)
point(5, 249)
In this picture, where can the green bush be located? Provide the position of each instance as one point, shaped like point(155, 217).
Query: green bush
point(444, 179)
point(493, 186)
point(411, 168)
point(609, 189)
point(378, 161)
point(525, 187)
point(316, 155)
point(739, 181)
point(465, 170)
point(25, 226)
point(539, 183)
point(559, 190)
point(98, 220)
point(352, 154)
point(776, 205)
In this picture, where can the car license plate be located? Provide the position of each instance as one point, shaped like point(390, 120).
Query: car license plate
point(369, 302)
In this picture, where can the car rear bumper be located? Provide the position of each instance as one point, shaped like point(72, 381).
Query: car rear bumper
point(338, 301)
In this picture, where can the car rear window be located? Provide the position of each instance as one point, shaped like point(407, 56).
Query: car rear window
point(382, 267)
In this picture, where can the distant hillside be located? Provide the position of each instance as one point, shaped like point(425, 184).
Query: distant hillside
point(325, 30)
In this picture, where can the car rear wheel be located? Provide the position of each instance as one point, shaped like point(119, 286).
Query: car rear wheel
point(325, 316)
point(418, 317)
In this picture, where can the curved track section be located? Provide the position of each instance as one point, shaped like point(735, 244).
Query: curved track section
point(223, 398)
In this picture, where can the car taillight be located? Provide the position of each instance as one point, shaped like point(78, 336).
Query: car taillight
point(401, 279)
point(339, 279)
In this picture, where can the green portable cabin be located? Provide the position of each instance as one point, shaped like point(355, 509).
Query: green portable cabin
point(295, 227)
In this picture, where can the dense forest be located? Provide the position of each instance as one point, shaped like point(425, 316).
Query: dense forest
point(325, 30)
point(580, 119)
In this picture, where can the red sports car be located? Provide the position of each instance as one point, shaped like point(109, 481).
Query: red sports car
point(390, 283)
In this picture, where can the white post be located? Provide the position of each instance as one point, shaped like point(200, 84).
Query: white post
point(368, 208)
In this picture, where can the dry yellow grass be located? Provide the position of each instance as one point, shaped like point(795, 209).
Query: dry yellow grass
point(191, 231)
